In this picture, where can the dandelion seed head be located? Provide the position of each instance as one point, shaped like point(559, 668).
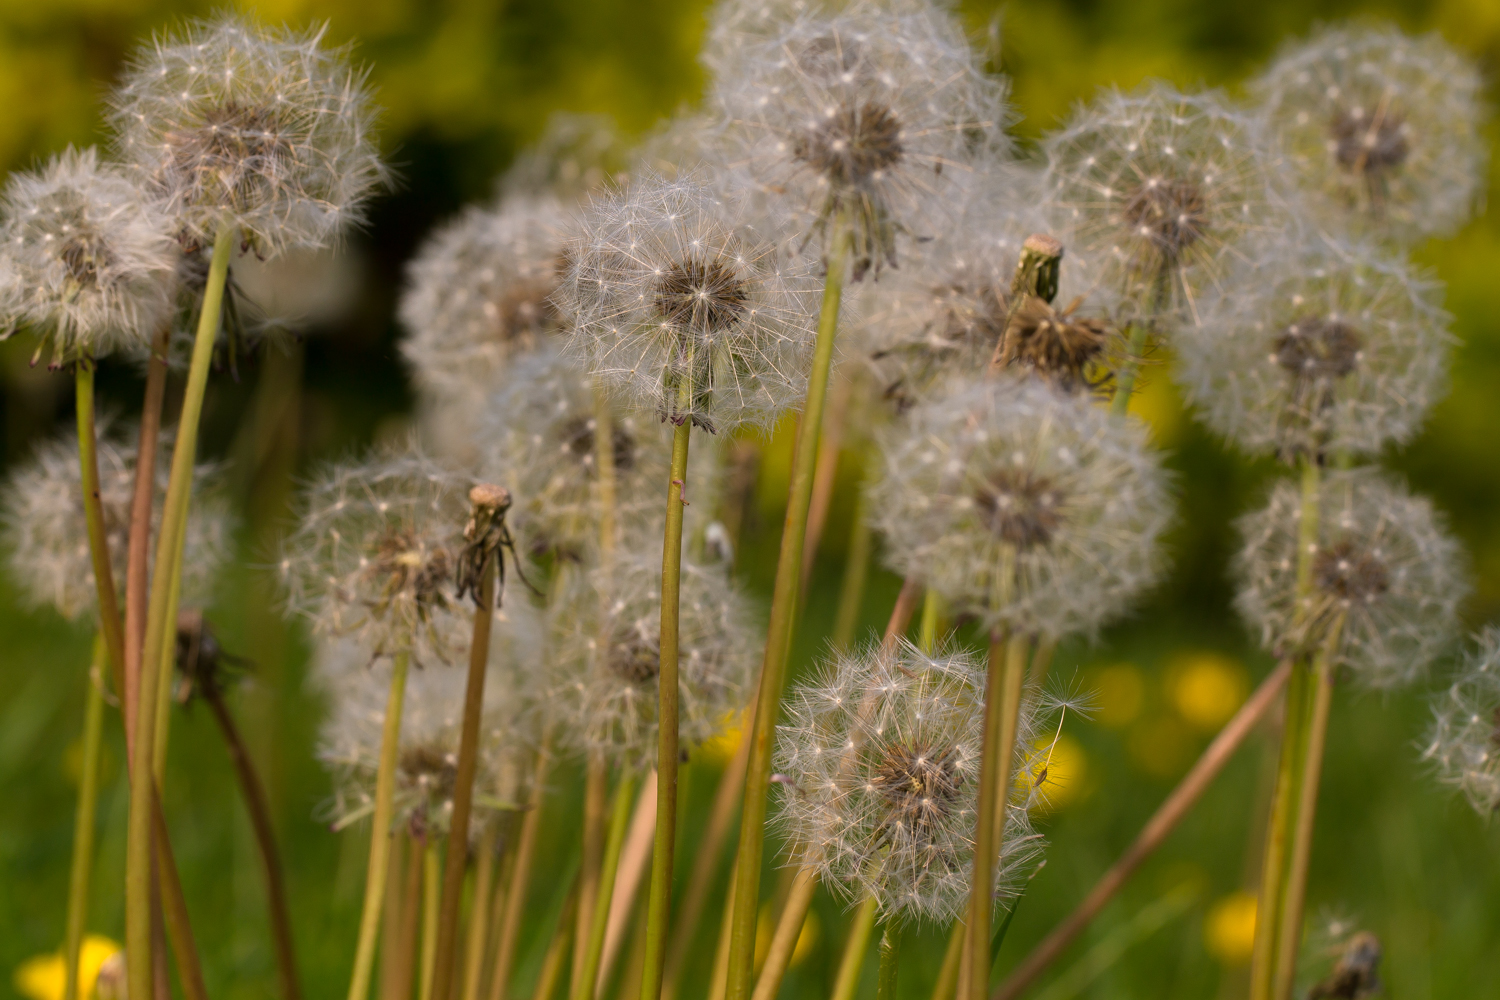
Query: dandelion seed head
point(1463, 743)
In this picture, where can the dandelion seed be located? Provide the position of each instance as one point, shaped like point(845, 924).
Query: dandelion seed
point(1033, 510)
point(87, 261)
point(1383, 571)
point(1380, 130)
point(267, 131)
point(1463, 743)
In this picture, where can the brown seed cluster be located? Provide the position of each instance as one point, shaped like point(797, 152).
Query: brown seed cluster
point(1350, 572)
point(84, 256)
point(237, 152)
point(1366, 143)
point(404, 565)
point(635, 657)
point(430, 768)
point(1172, 215)
point(578, 438)
point(1020, 508)
point(919, 783)
point(1356, 975)
point(854, 145)
point(1312, 347)
point(701, 296)
point(1055, 344)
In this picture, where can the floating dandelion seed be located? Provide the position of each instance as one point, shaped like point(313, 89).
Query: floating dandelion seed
point(1035, 511)
point(860, 118)
point(236, 125)
point(1384, 573)
point(1163, 185)
point(686, 313)
point(88, 262)
point(881, 753)
point(1379, 129)
point(479, 294)
point(1330, 348)
point(605, 671)
point(47, 539)
point(1464, 741)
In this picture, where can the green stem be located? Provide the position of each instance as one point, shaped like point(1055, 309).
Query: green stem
point(932, 621)
point(1125, 378)
point(515, 893)
point(658, 914)
point(402, 945)
point(110, 626)
point(595, 819)
point(890, 950)
point(159, 630)
point(83, 825)
point(856, 574)
point(779, 633)
point(431, 887)
point(788, 931)
point(1289, 935)
point(1002, 702)
point(947, 979)
point(479, 911)
point(557, 949)
point(463, 789)
point(380, 832)
point(584, 985)
point(853, 962)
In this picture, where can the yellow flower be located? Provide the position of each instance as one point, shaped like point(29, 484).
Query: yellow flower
point(1229, 930)
point(1208, 688)
point(41, 977)
point(719, 747)
point(1056, 771)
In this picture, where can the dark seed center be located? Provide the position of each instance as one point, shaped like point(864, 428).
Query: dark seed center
point(1351, 573)
point(635, 657)
point(1020, 508)
point(701, 295)
point(238, 149)
point(1171, 214)
point(402, 563)
point(1314, 347)
point(919, 783)
point(854, 145)
point(1370, 143)
point(431, 768)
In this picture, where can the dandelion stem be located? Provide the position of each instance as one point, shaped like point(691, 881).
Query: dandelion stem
point(890, 950)
point(595, 809)
point(1156, 830)
point(80, 872)
point(174, 908)
point(718, 979)
point(93, 515)
point(947, 979)
point(557, 950)
point(583, 987)
point(137, 578)
point(380, 832)
point(856, 575)
point(658, 914)
point(431, 889)
point(1002, 703)
point(825, 476)
point(254, 795)
point(515, 893)
point(932, 621)
point(403, 946)
point(391, 921)
point(846, 983)
point(604, 462)
point(463, 789)
point(479, 911)
point(1135, 352)
point(160, 629)
point(788, 931)
point(1041, 662)
point(779, 634)
point(1289, 935)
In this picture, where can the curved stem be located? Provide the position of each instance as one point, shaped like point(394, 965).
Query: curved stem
point(159, 630)
point(890, 950)
point(431, 884)
point(463, 788)
point(1161, 824)
point(583, 987)
point(479, 911)
point(265, 842)
point(779, 633)
point(858, 943)
point(93, 516)
point(380, 831)
point(137, 577)
point(81, 869)
point(515, 893)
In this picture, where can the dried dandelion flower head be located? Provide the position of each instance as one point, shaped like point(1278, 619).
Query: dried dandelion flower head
point(1380, 130)
point(683, 311)
point(88, 261)
point(537, 438)
point(1326, 348)
point(431, 720)
point(479, 293)
point(608, 652)
point(43, 527)
point(1385, 583)
point(1464, 741)
point(1340, 961)
point(233, 124)
point(860, 119)
point(375, 554)
point(879, 761)
point(1163, 186)
point(992, 275)
point(1035, 511)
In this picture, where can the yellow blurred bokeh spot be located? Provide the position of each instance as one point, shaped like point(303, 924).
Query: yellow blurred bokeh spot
point(41, 977)
point(1120, 691)
point(1161, 746)
point(1229, 929)
point(1055, 772)
point(765, 928)
point(1207, 689)
point(719, 747)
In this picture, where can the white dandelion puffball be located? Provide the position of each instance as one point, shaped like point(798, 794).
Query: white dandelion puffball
point(1035, 511)
point(1325, 348)
point(683, 311)
point(1463, 743)
point(1379, 130)
point(268, 131)
point(88, 261)
point(880, 754)
point(1384, 573)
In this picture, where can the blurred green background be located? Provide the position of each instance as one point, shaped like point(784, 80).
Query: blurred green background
point(468, 84)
